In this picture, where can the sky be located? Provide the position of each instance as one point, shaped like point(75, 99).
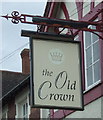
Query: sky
point(11, 41)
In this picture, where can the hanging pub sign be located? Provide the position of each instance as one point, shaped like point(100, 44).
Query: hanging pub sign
point(56, 72)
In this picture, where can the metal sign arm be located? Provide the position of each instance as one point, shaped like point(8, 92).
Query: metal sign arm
point(51, 22)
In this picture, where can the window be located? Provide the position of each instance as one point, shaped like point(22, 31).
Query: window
point(22, 105)
point(4, 112)
point(25, 111)
point(4, 116)
point(22, 108)
point(92, 59)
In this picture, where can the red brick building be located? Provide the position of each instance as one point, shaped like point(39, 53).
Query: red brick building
point(15, 92)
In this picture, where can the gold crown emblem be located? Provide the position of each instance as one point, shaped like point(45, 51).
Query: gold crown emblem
point(56, 56)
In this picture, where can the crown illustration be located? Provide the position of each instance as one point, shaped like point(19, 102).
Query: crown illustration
point(56, 56)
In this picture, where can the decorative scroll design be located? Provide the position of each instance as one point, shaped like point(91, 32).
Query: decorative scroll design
point(16, 17)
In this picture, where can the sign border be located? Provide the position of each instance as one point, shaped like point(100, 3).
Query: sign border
point(56, 38)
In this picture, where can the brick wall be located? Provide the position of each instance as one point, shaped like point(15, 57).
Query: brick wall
point(12, 109)
point(25, 61)
point(35, 113)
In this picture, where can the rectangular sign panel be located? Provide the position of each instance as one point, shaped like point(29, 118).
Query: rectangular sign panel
point(56, 73)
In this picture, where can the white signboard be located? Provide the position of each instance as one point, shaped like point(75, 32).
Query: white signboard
point(56, 73)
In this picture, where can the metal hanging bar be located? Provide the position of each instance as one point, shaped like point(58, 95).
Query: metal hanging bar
point(51, 22)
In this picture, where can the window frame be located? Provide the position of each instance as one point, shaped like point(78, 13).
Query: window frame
point(25, 109)
point(88, 87)
point(20, 100)
point(5, 112)
point(4, 115)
